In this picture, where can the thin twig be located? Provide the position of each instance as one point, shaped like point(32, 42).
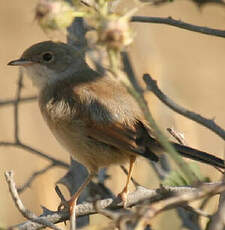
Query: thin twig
point(13, 101)
point(218, 219)
point(205, 202)
point(128, 68)
point(208, 123)
point(44, 155)
point(27, 184)
point(23, 210)
point(178, 23)
point(36, 152)
point(179, 199)
point(163, 140)
point(60, 195)
point(177, 136)
point(16, 105)
point(198, 211)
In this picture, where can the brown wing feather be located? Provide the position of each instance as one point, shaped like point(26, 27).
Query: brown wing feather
point(126, 138)
point(116, 135)
point(112, 116)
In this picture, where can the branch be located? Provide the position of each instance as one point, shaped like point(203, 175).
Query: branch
point(134, 198)
point(13, 101)
point(23, 210)
point(128, 69)
point(17, 142)
point(178, 136)
point(197, 211)
point(16, 105)
point(218, 219)
point(162, 168)
point(179, 199)
point(36, 152)
point(208, 123)
point(33, 176)
point(178, 23)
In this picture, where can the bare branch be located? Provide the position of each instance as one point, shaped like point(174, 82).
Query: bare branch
point(23, 210)
point(138, 196)
point(128, 68)
point(155, 208)
point(16, 105)
point(36, 152)
point(176, 135)
point(178, 23)
point(208, 123)
point(33, 177)
point(13, 101)
point(218, 219)
point(198, 211)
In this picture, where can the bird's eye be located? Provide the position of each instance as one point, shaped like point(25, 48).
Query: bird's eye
point(47, 57)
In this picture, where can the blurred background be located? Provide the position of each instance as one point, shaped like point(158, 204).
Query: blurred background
point(188, 66)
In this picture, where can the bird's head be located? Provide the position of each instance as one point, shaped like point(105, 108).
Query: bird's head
point(49, 61)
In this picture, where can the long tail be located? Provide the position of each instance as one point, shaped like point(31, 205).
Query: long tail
point(198, 155)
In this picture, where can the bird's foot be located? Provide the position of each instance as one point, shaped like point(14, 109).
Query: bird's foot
point(67, 205)
point(123, 195)
point(64, 205)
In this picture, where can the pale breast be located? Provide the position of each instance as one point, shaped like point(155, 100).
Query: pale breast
point(70, 131)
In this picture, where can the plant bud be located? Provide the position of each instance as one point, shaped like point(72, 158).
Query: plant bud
point(54, 14)
point(114, 33)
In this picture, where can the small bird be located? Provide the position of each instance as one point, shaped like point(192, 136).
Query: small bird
point(91, 114)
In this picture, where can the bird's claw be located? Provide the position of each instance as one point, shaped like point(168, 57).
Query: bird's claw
point(123, 197)
point(64, 206)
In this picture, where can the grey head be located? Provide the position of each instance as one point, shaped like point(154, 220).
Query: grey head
point(48, 61)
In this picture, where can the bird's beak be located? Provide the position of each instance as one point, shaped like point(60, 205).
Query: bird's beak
point(20, 62)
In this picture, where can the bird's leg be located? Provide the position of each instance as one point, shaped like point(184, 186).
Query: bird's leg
point(73, 200)
point(71, 204)
point(125, 191)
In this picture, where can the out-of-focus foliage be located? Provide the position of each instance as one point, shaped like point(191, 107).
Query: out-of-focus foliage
point(175, 177)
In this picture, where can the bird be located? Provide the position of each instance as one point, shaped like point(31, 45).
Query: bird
point(91, 114)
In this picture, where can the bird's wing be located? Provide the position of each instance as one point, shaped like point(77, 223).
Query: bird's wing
point(123, 137)
point(116, 135)
point(116, 123)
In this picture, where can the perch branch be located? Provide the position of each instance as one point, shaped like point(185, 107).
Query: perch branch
point(138, 196)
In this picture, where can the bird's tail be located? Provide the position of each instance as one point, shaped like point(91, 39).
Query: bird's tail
point(198, 155)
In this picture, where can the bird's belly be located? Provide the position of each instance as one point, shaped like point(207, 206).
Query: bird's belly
point(87, 151)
